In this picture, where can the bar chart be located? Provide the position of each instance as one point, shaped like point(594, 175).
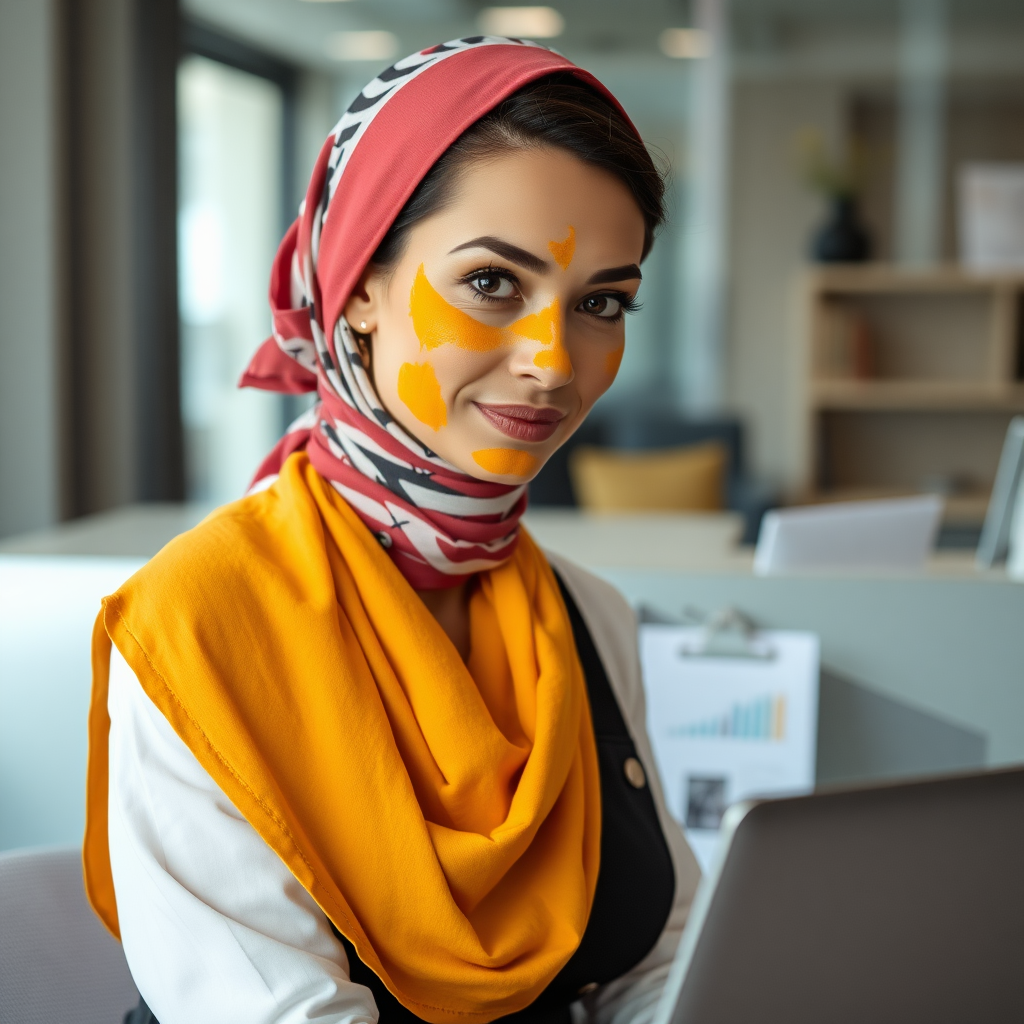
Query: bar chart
point(763, 718)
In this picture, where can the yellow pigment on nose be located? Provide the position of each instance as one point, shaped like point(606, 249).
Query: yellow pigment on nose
point(419, 389)
point(437, 322)
point(505, 461)
point(544, 326)
point(556, 359)
point(563, 251)
point(614, 359)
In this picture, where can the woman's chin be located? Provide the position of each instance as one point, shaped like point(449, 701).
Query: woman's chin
point(498, 461)
point(488, 455)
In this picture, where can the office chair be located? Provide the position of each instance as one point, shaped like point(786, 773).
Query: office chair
point(57, 962)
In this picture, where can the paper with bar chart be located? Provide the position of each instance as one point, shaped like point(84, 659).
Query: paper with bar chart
point(727, 728)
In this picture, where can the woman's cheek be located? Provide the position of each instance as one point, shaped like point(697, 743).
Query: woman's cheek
point(427, 386)
point(613, 360)
point(596, 372)
point(419, 391)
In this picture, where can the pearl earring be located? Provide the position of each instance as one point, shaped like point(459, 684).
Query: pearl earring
point(362, 325)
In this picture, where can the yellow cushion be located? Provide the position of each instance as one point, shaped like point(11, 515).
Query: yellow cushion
point(691, 478)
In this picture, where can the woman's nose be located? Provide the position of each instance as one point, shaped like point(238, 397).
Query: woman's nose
point(550, 365)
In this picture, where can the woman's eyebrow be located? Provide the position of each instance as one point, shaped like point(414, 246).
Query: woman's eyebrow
point(626, 273)
point(508, 251)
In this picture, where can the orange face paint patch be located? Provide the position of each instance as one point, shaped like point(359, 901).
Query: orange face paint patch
point(505, 461)
point(563, 251)
point(554, 359)
point(437, 322)
point(614, 359)
point(544, 326)
point(419, 389)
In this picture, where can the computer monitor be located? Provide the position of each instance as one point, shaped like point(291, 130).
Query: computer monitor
point(898, 903)
point(995, 534)
point(892, 534)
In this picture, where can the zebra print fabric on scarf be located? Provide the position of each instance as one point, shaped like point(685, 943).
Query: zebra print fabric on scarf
point(439, 524)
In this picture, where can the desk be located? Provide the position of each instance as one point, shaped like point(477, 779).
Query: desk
point(687, 542)
point(920, 673)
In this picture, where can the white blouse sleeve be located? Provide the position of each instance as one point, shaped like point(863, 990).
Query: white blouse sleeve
point(214, 925)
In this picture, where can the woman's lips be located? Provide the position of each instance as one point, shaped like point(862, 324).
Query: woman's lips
point(523, 422)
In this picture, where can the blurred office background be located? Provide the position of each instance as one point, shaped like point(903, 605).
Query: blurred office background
point(814, 307)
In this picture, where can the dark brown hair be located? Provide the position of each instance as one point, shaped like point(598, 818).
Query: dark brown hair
point(558, 111)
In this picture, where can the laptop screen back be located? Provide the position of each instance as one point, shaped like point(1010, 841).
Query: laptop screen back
point(902, 903)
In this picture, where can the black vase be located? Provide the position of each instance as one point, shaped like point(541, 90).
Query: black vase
point(842, 238)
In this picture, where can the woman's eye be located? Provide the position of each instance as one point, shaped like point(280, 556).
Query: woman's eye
point(494, 286)
point(606, 306)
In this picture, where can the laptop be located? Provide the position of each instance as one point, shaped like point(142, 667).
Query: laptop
point(899, 903)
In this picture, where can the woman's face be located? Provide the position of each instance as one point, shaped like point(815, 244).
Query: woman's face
point(503, 322)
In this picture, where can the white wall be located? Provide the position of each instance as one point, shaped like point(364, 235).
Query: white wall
point(29, 414)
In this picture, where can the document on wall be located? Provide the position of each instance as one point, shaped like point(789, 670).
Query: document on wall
point(724, 727)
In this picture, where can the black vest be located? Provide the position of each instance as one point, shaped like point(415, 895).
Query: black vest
point(635, 885)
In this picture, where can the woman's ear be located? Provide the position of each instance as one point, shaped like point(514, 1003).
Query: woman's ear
point(362, 310)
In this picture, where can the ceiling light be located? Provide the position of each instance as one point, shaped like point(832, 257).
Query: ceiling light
point(370, 45)
point(521, 22)
point(683, 43)
point(324, 1)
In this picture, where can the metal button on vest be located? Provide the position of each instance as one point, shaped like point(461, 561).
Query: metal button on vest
point(634, 772)
point(587, 989)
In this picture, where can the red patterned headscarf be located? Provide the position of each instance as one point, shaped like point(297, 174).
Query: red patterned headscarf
point(439, 524)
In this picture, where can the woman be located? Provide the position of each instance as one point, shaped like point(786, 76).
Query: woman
point(359, 750)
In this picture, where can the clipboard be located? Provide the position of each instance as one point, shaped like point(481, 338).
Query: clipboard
point(732, 713)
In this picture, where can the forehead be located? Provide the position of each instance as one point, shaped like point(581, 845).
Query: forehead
point(534, 196)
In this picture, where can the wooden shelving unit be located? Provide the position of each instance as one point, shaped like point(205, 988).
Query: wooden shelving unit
point(912, 378)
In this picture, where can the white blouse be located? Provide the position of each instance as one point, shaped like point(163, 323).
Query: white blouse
point(215, 927)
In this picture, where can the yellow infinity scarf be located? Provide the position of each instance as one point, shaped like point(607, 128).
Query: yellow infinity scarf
point(445, 817)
